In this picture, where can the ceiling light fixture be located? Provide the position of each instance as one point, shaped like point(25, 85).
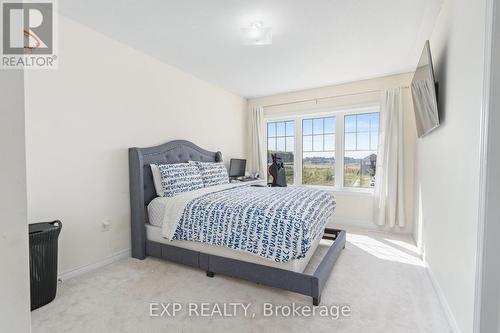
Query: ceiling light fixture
point(257, 34)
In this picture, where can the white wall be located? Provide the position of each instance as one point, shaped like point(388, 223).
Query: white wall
point(14, 276)
point(354, 208)
point(448, 159)
point(82, 117)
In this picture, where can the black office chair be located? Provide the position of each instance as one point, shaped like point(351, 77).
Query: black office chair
point(277, 171)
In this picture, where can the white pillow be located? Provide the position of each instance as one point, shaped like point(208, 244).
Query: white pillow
point(176, 178)
point(212, 173)
point(157, 180)
point(179, 177)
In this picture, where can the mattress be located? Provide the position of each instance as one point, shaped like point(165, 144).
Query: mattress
point(154, 233)
point(268, 226)
point(278, 224)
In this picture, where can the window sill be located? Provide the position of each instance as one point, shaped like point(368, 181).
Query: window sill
point(345, 190)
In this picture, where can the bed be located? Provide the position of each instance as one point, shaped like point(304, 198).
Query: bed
point(163, 227)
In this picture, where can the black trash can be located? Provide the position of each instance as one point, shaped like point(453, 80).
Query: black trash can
point(43, 262)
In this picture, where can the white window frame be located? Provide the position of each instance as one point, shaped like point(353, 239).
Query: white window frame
point(339, 114)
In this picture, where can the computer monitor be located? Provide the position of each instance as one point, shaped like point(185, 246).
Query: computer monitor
point(237, 167)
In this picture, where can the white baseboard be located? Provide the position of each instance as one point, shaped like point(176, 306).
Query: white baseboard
point(442, 299)
point(90, 267)
point(370, 226)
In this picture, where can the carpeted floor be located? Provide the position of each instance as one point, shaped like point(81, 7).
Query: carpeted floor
point(379, 276)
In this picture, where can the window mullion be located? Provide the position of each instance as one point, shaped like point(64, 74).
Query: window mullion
point(339, 151)
point(298, 152)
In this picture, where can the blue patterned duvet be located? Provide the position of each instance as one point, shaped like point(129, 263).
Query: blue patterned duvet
point(279, 224)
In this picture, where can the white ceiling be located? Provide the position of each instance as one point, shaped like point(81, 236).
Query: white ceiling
point(315, 43)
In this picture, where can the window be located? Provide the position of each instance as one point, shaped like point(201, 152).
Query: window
point(318, 151)
point(336, 149)
point(360, 149)
point(281, 140)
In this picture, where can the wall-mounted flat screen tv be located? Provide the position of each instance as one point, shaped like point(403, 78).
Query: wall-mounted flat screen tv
point(424, 93)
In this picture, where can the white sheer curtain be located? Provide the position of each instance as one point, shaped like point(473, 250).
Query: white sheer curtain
point(389, 195)
point(257, 149)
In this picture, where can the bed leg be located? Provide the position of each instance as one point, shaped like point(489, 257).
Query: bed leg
point(316, 300)
point(210, 274)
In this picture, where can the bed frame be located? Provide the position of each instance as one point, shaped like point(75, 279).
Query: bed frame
point(142, 191)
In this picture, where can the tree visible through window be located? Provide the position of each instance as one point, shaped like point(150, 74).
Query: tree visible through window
point(360, 149)
point(281, 140)
point(318, 151)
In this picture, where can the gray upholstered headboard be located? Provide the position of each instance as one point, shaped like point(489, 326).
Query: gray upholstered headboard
point(142, 189)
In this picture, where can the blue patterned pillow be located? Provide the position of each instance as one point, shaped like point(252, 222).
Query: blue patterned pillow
point(179, 177)
point(212, 173)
